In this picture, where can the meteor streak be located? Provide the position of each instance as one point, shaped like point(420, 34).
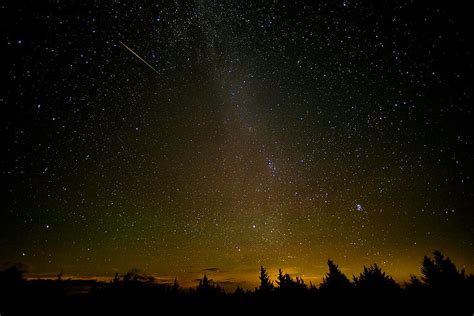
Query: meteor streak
point(146, 63)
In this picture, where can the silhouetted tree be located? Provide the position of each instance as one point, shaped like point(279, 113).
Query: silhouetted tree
point(266, 285)
point(239, 291)
point(414, 284)
point(175, 287)
point(282, 279)
point(116, 278)
point(287, 284)
point(373, 278)
point(299, 284)
point(208, 287)
point(441, 273)
point(335, 279)
point(204, 282)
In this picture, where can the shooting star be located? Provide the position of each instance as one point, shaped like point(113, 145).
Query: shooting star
point(139, 57)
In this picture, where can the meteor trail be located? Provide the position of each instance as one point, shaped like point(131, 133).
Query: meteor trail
point(139, 57)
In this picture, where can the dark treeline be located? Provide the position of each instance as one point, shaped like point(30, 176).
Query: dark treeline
point(441, 289)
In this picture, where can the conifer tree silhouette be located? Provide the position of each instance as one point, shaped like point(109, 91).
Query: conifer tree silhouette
point(239, 291)
point(335, 279)
point(373, 278)
point(175, 287)
point(208, 287)
point(287, 284)
point(415, 284)
point(441, 272)
point(266, 284)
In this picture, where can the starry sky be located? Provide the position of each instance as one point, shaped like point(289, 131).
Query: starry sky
point(185, 138)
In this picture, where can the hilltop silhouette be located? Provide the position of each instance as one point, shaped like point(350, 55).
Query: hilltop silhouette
point(441, 289)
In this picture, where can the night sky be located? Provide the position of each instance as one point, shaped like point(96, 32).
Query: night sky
point(213, 137)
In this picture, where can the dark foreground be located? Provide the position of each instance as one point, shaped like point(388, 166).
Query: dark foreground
point(441, 290)
point(158, 301)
